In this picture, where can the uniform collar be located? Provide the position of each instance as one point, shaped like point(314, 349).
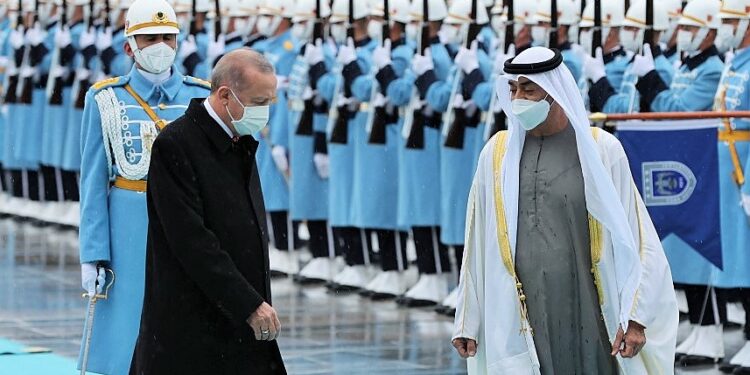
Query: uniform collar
point(697, 60)
point(362, 43)
point(611, 56)
point(146, 89)
point(199, 115)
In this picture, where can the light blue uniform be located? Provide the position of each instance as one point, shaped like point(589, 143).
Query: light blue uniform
point(693, 88)
point(122, 63)
point(13, 122)
point(308, 191)
point(114, 221)
point(571, 60)
point(281, 51)
point(4, 33)
point(71, 157)
point(735, 224)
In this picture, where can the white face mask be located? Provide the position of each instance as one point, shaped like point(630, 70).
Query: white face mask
point(498, 25)
point(725, 38)
point(338, 33)
point(689, 42)
point(667, 35)
point(253, 120)
point(540, 36)
point(267, 25)
point(156, 58)
point(631, 40)
point(375, 30)
point(530, 113)
point(586, 41)
point(303, 30)
point(412, 30)
point(240, 25)
point(183, 20)
point(451, 34)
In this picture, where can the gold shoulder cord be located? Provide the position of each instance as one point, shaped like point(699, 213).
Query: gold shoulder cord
point(160, 124)
point(502, 228)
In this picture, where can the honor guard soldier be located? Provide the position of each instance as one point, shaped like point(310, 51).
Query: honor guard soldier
point(734, 165)
point(5, 28)
point(603, 97)
point(567, 18)
point(281, 49)
point(693, 88)
point(669, 37)
point(613, 59)
point(193, 49)
point(122, 117)
point(308, 116)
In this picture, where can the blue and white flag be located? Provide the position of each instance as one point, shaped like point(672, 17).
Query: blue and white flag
point(675, 167)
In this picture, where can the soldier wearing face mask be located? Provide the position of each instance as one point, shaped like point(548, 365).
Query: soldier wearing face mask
point(280, 48)
point(121, 119)
point(693, 88)
point(669, 37)
point(568, 16)
point(603, 97)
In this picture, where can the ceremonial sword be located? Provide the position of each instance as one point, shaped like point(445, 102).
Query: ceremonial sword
point(89, 328)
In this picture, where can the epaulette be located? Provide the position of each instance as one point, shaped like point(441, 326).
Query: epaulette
point(110, 82)
point(197, 82)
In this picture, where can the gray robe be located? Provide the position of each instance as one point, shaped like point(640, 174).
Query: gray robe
point(553, 260)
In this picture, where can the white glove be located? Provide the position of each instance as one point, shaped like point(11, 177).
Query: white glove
point(467, 58)
point(322, 165)
point(644, 63)
point(36, 35)
point(347, 53)
point(501, 58)
point(92, 278)
point(187, 47)
point(314, 52)
point(579, 51)
point(16, 39)
point(279, 158)
point(422, 64)
point(82, 74)
point(27, 71)
point(57, 71)
point(63, 38)
point(215, 48)
point(104, 39)
point(593, 67)
point(381, 56)
point(746, 204)
point(87, 38)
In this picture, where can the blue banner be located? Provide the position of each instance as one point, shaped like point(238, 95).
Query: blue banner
point(675, 167)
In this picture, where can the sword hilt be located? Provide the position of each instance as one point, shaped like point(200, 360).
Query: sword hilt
point(107, 286)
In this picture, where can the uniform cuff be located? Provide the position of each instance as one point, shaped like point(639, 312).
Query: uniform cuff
point(190, 63)
point(315, 73)
point(424, 82)
point(470, 82)
point(385, 76)
point(649, 86)
point(351, 72)
point(599, 93)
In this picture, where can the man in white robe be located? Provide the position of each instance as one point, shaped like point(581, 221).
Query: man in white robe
point(632, 278)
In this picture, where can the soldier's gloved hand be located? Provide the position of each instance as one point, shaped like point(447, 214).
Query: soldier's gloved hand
point(422, 64)
point(57, 71)
point(347, 53)
point(216, 48)
point(92, 278)
point(322, 165)
point(500, 59)
point(279, 158)
point(104, 39)
point(63, 38)
point(746, 204)
point(36, 35)
point(16, 39)
point(593, 67)
point(644, 62)
point(381, 56)
point(82, 74)
point(87, 38)
point(314, 52)
point(467, 58)
point(187, 47)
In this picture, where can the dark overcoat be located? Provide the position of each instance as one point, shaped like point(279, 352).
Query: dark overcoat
point(207, 261)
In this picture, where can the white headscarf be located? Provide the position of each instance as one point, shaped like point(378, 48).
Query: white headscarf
point(602, 199)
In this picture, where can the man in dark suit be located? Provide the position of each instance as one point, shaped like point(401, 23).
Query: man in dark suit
point(207, 306)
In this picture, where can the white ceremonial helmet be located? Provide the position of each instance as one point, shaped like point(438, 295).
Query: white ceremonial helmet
point(271, 13)
point(523, 13)
point(397, 9)
point(636, 17)
point(459, 13)
point(704, 15)
point(567, 12)
point(727, 36)
point(304, 18)
point(340, 10)
point(437, 11)
point(149, 17)
point(613, 13)
point(204, 6)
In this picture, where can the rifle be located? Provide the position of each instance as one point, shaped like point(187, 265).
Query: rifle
point(378, 119)
point(86, 54)
point(341, 114)
point(305, 126)
point(455, 118)
point(510, 29)
point(553, 24)
point(107, 12)
point(648, 34)
point(415, 120)
point(193, 12)
point(12, 80)
point(27, 88)
point(55, 86)
point(217, 22)
point(597, 32)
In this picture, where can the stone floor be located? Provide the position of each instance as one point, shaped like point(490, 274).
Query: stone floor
point(324, 333)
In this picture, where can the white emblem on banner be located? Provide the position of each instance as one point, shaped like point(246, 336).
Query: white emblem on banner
point(667, 183)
